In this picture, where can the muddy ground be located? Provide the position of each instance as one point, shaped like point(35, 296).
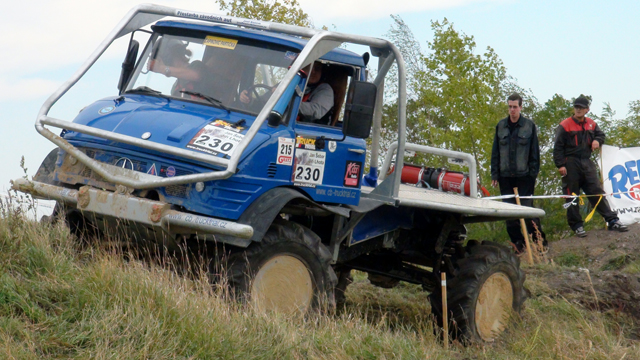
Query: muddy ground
point(600, 271)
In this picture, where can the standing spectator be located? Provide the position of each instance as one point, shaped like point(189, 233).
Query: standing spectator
point(576, 138)
point(515, 163)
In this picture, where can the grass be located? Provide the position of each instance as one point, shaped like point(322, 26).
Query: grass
point(618, 263)
point(570, 259)
point(58, 301)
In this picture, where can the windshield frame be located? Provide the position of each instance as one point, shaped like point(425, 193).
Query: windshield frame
point(198, 37)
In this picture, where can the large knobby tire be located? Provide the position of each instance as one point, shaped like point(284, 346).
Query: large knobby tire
point(487, 290)
point(288, 272)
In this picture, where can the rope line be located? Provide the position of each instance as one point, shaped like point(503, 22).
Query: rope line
point(552, 196)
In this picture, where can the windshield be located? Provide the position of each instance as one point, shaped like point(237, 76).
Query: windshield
point(217, 70)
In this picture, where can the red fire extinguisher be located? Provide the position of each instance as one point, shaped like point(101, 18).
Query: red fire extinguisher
point(440, 178)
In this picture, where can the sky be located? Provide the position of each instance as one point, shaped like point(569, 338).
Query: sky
point(548, 46)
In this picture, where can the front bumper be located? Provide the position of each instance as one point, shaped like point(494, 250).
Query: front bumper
point(145, 212)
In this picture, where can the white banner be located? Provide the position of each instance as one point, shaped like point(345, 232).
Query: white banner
point(621, 172)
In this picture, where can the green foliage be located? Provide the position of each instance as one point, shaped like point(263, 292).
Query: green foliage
point(459, 93)
point(570, 259)
point(621, 132)
point(617, 263)
point(547, 119)
point(281, 11)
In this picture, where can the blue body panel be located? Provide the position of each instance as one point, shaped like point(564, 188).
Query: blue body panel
point(380, 221)
point(170, 121)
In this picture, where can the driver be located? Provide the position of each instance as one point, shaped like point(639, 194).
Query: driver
point(173, 61)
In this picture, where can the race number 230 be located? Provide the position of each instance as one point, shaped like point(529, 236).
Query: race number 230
point(309, 174)
point(214, 143)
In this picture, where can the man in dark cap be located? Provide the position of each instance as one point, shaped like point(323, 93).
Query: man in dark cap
point(515, 163)
point(576, 138)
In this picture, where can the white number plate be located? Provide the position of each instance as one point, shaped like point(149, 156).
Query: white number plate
point(285, 151)
point(216, 140)
point(309, 166)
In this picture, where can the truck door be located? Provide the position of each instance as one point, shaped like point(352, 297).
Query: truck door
point(330, 173)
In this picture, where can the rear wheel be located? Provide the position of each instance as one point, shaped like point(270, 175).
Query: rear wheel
point(487, 290)
point(288, 272)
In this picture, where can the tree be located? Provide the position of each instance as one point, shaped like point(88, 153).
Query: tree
point(461, 95)
point(621, 132)
point(402, 37)
point(281, 11)
point(547, 119)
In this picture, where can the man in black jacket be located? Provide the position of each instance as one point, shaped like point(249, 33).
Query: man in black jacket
point(576, 138)
point(515, 163)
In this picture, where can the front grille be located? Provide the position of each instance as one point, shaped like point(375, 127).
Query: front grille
point(180, 191)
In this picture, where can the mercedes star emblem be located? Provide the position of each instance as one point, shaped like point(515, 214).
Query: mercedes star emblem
point(125, 163)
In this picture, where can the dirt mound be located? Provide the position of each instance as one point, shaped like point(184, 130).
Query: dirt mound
point(599, 250)
point(600, 271)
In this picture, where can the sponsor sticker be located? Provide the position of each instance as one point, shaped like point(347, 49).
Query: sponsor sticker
point(223, 19)
point(332, 146)
point(345, 193)
point(171, 171)
point(352, 174)
point(305, 143)
point(220, 42)
point(227, 125)
point(285, 151)
point(152, 170)
point(216, 138)
point(290, 55)
point(308, 167)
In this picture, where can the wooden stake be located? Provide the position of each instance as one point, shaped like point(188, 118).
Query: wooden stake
point(445, 320)
point(524, 229)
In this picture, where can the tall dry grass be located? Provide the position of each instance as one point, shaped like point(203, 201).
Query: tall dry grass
point(58, 300)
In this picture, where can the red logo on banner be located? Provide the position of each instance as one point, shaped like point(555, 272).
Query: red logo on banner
point(634, 192)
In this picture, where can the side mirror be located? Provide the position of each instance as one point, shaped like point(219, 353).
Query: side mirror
point(358, 113)
point(128, 64)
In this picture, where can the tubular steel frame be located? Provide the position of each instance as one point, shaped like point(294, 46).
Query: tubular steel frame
point(320, 42)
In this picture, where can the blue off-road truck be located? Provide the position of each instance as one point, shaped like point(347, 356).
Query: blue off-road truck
point(203, 146)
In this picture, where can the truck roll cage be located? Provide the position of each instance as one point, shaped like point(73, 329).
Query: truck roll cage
point(320, 43)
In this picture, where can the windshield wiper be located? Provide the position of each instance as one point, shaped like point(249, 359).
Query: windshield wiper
point(144, 90)
point(210, 99)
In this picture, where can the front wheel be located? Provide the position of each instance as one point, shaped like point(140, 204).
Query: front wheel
point(288, 272)
point(487, 290)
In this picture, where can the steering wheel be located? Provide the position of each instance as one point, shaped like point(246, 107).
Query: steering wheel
point(255, 102)
point(253, 89)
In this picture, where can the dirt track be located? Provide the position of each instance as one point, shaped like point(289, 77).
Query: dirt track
point(611, 259)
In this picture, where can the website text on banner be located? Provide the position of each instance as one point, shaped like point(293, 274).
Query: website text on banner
point(621, 171)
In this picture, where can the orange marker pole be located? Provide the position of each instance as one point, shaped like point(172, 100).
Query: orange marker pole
point(524, 229)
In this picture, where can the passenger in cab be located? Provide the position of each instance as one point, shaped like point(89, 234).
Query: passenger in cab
point(317, 102)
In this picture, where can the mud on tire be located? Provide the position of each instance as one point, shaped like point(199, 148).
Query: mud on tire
point(488, 288)
point(289, 271)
